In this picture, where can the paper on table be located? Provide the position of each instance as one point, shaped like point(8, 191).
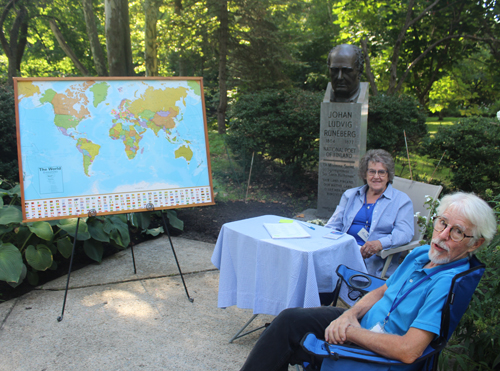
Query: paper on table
point(286, 230)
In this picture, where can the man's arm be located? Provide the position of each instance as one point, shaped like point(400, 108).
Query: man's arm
point(406, 348)
point(336, 332)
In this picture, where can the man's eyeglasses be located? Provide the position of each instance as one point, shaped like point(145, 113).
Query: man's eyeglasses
point(381, 173)
point(456, 234)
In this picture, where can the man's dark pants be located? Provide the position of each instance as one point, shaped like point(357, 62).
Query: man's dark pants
point(279, 344)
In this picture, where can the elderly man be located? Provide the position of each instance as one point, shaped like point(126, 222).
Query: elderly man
point(345, 63)
point(413, 296)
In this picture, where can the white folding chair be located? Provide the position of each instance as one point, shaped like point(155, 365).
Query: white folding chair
point(417, 192)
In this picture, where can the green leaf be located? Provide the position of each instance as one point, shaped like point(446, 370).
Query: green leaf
point(54, 265)
point(4, 229)
point(69, 225)
point(144, 219)
point(174, 220)
point(11, 263)
point(10, 214)
point(52, 247)
point(96, 230)
point(32, 277)
point(118, 230)
point(21, 278)
point(94, 250)
point(42, 230)
point(39, 257)
point(155, 231)
point(65, 246)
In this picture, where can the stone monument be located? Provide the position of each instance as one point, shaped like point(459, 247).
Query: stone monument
point(343, 127)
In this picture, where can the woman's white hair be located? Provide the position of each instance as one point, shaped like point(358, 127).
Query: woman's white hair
point(475, 210)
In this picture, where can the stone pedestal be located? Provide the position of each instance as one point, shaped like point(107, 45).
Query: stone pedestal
point(342, 144)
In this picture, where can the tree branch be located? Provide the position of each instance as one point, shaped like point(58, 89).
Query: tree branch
point(426, 51)
point(67, 49)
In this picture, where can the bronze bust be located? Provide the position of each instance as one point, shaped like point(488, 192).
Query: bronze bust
point(346, 63)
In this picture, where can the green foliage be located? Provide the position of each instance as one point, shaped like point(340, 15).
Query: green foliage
point(8, 143)
point(278, 125)
point(29, 248)
point(475, 343)
point(472, 153)
point(389, 117)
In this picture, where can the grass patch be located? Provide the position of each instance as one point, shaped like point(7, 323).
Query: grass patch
point(433, 123)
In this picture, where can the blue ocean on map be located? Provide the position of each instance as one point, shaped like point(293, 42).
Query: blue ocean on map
point(53, 166)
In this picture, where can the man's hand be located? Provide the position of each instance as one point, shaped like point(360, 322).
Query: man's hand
point(335, 333)
point(370, 248)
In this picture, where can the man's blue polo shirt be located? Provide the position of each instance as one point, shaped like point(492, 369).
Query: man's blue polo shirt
point(422, 307)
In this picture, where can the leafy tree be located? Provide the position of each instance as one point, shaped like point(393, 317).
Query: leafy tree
point(416, 40)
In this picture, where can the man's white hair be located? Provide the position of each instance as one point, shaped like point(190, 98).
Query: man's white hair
point(475, 210)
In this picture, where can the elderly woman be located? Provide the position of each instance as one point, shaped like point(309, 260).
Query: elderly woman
point(377, 215)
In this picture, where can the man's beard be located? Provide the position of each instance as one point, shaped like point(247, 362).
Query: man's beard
point(434, 256)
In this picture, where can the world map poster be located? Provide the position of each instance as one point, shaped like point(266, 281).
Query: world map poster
point(111, 145)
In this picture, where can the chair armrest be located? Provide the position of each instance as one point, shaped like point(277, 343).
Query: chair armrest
point(385, 253)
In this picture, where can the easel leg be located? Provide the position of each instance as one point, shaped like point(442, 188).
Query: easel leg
point(60, 318)
point(165, 225)
point(133, 258)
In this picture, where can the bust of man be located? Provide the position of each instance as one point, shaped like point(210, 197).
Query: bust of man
point(345, 63)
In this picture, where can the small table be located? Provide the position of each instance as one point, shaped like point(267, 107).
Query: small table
point(269, 275)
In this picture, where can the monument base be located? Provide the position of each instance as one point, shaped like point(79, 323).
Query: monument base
point(343, 130)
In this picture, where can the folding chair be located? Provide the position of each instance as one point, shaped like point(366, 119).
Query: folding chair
point(417, 191)
point(342, 356)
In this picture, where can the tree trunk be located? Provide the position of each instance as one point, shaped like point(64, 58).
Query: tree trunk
point(150, 52)
point(182, 61)
point(369, 73)
point(223, 38)
point(67, 49)
point(14, 48)
point(118, 38)
point(95, 45)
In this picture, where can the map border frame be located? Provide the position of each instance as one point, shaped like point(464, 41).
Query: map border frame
point(172, 198)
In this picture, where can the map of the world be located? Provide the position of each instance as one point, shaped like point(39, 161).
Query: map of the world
point(106, 145)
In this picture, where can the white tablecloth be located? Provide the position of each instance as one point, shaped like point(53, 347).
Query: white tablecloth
point(269, 275)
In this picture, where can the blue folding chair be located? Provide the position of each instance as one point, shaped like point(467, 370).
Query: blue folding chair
point(339, 357)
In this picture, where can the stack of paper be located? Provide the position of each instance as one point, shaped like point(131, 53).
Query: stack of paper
point(286, 230)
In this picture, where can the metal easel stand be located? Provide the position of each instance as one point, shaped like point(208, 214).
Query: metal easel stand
point(237, 336)
point(165, 226)
point(60, 318)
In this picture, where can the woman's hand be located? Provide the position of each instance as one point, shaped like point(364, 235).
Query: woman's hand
point(336, 332)
point(370, 248)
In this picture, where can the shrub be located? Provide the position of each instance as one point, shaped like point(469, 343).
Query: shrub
point(388, 117)
point(472, 153)
point(277, 125)
point(8, 144)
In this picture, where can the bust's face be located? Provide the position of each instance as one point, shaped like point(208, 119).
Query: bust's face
point(343, 72)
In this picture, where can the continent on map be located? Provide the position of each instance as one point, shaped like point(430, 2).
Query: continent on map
point(130, 136)
point(27, 90)
point(155, 109)
point(100, 91)
point(89, 151)
point(185, 152)
point(70, 107)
